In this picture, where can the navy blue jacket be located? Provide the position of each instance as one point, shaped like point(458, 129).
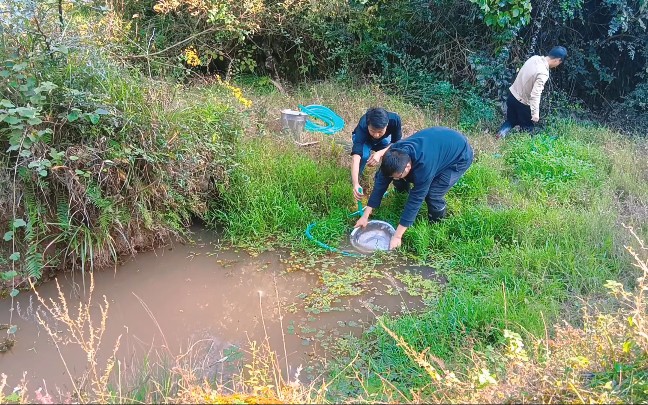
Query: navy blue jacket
point(362, 136)
point(432, 150)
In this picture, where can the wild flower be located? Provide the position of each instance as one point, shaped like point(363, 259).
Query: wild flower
point(191, 57)
point(236, 92)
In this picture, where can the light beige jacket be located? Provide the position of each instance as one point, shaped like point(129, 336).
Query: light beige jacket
point(530, 82)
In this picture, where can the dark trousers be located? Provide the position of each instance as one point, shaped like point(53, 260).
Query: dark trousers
point(517, 113)
point(442, 182)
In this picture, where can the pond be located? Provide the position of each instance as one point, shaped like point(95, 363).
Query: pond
point(206, 304)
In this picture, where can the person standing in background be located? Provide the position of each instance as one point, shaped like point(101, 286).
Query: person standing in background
point(523, 102)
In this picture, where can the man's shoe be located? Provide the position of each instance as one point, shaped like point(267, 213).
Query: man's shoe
point(436, 216)
point(504, 129)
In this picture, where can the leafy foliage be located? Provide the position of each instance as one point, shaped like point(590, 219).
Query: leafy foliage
point(476, 42)
point(92, 169)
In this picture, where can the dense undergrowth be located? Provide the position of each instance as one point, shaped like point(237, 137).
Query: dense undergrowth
point(101, 160)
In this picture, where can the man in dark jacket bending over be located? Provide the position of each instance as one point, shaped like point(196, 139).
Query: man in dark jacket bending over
point(433, 160)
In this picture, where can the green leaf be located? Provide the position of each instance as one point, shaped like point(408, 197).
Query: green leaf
point(11, 331)
point(73, 116)
point(43, 173)
point(25, 153)
point(4, 73)
point(94, 118)
point(20, 66)
point(18, 222)
point(8, 236)
point(46, 86)
point(16, 137)
point(36, 99)
point(11, 120)
point(34, 121)
point(73, 158)
point(27, 112)
point(6, 103)
point(14, 256)
point(8, 275)
point(14, 292)
point(101, 111)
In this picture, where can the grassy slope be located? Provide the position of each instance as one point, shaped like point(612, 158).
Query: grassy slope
point(536, 222)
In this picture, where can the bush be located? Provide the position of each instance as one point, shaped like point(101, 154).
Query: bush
point(101, 161)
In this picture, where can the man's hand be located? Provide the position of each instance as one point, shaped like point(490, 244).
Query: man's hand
point(362, 222)
point(535, 119)
point(374, 159)
point(357, 192)
point(395, 242)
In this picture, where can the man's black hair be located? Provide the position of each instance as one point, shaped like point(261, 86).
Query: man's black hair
point(394, 162)
point(558, 52)
point(377, 117)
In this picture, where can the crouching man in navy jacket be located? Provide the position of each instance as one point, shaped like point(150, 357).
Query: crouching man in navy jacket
point(432, 160)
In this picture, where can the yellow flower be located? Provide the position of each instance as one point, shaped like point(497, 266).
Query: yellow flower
point(191, 57)
point(236, 92)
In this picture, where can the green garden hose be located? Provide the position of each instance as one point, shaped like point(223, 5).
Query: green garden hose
point(310, 237)
point(333, 123)
point(324, 245)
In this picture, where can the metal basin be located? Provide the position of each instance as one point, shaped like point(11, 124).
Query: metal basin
point(375, 236)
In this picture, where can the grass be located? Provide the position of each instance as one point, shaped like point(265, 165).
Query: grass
point(534, 223)
point(278, 190)
point(535, 232)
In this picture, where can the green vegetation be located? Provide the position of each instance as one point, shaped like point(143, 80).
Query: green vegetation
point(278, 190)
point(534, 224)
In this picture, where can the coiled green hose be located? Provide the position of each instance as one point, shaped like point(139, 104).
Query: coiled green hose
point(333, 123)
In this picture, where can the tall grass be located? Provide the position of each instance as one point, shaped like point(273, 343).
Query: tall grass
point(277, 190)
point(436, 357)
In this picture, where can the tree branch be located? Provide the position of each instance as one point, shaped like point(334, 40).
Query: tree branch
point(143, 56)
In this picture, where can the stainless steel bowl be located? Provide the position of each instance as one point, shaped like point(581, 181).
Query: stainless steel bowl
point(375, 236)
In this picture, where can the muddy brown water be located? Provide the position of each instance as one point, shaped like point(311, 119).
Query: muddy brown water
point(196, 302)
